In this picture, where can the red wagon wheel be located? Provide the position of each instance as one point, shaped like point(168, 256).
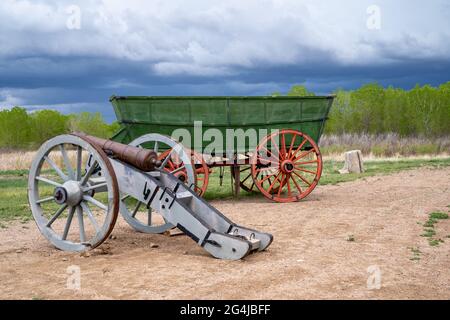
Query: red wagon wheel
point(286, 165)
point(247, 183)
point(201, 170)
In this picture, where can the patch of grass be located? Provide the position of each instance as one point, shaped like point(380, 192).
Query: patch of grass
point(416, 253)
point(14, 173)
point(330, 174)
point(435, 242)
point(438, 216)
point(430, 223)
point(429, 231)
point(14, 200)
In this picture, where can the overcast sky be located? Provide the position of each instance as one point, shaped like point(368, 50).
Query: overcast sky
point(51, 59)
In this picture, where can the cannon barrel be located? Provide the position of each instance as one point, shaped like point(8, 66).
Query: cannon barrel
point(143, 159)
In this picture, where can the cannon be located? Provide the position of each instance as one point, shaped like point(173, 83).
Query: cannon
point(78, 183)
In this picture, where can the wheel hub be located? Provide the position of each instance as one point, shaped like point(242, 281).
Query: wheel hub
point(287, 166)
point(69, 193)
point(60, 195)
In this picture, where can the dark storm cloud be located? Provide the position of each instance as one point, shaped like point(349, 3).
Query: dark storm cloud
point(221, 48)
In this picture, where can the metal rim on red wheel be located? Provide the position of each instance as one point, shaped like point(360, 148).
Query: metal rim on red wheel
point(286, 165)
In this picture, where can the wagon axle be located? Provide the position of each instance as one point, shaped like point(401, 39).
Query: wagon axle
point(287, 166)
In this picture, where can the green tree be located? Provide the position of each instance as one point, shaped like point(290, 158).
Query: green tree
point(15, 128)
point(47, 124)
point(368, 107)
point(90, 123)
point(299, 91)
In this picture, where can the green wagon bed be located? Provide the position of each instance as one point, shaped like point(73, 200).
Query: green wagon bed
point(140, 115)
point(298, 121)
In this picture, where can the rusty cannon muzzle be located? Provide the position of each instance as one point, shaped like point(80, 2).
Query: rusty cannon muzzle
point(143, 159)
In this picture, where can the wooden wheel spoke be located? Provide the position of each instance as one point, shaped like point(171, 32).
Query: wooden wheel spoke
point(95, 202)
point(299, 148)
point(303, 179)
point(61, 174)
point(275, 145)
point(45, 199)
point(246, 178)
point(79, 162)
point(149, 217)
point(68, 223)
point(95, 186)
point(288, 185)
point(304, 154)
point(273, 183)
point(67, 162)
point(178, 169)
point(283, 155)
point(280, 188)
point(245, 169)
point(163, 164)
point(273, 157)
point(90, 215)
point(88, 174)
point(81, 224)
point(136, 209)
point(305, 170)
point(264, 178)
point(297, 186)
point(56, 215)
point(53, 183)
point(306, 162)
point(294, 137)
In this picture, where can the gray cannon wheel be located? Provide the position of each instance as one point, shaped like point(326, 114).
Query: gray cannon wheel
point(136, 213)
point(58, 193)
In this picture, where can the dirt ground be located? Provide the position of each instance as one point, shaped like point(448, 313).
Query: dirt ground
point(311, 256)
